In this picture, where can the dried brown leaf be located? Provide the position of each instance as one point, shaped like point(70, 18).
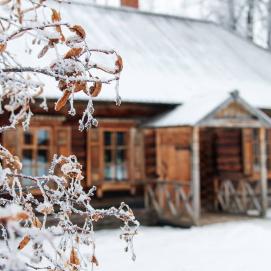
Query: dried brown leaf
point(79, 30)
point(96, 89)
point(59, 30)
point(36, 223)
point(24, 242)
point(119, 64)
point(22, 216)
point(52, 42)
point(56, 17)
point(62, 100)
point(94, 260)
point(73, 52)
point(78, 86)
point(74, 257)
point(96, 217)
point(3, 47)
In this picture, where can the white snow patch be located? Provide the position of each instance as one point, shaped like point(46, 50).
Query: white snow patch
point(231, 246)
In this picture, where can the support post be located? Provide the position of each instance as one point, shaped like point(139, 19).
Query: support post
point(196, 175)
point(264, 189)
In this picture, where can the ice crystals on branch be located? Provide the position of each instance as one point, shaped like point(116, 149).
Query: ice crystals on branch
point(73, 67)
point(62, 197)
point(28, 242)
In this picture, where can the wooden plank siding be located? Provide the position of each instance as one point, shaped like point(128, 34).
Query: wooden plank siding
point(207, 167)
point(173, 161)
point(79, 148)
point(221, 158)
point(150, 153)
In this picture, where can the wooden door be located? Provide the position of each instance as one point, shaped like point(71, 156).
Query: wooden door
point(174, 154)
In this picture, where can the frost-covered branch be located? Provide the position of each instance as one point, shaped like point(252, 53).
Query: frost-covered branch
point(67, 58)
point(60, 246)
point(63, 54)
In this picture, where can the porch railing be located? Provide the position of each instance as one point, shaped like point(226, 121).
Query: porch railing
point(172, 200)
point(238, 197)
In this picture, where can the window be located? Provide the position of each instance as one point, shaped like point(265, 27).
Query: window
point(35, 151)
point(115, 155)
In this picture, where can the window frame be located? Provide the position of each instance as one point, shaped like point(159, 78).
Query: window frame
point(34, 147)
point(114, 147)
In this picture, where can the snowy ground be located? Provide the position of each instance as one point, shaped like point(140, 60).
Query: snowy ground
point(234, 246)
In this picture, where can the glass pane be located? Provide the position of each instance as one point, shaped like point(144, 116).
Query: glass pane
point(107, 138)
point(109, 172)
point(120, 156)
point(27, 171)
point(42, 170)
point(42, 156)
point(43, 137)
point(121, 172)
point(108, 156)
point(27, 157)
point(42, 162)
point(28, 138)
point(120, 138)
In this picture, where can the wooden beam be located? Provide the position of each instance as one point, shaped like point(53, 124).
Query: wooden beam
point(196, 175)
point(264, 189)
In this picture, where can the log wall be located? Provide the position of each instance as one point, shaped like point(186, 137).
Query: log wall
point(173, 161)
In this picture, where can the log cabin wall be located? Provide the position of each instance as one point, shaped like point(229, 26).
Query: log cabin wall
point(221, 156)
point(65, 138)
point(228, 147)
point(230, 154)
point(207, 167)
point(174, 153)
point(150, 153)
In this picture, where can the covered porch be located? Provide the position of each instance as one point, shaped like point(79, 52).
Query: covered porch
point(230, 150)
point(215, 169)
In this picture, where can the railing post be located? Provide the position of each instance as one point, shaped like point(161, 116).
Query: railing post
point(196, 175)
point(264, 195)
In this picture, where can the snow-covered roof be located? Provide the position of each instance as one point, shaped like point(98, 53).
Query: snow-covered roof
point(171, 59)
point(198, 108)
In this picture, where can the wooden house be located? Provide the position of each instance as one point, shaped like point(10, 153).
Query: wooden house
point(178, 124)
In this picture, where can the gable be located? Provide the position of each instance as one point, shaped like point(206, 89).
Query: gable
point(235, 112)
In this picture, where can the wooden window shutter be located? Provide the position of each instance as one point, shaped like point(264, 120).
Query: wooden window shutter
point(10, 141)
point(94, 166)
point(63, 141)
point(183, 165)
point(137, 154)
point(247, 140)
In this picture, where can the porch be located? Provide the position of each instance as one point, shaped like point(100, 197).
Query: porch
point(229, 159)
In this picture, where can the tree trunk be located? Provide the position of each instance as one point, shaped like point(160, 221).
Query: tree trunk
point(232, 15)
point(268, 30)
point(250, 19)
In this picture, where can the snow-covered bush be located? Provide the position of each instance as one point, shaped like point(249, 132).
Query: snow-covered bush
point(28, 242)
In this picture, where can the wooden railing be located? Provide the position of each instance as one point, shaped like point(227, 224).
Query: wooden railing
point(172, 200)
point(238, 197)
